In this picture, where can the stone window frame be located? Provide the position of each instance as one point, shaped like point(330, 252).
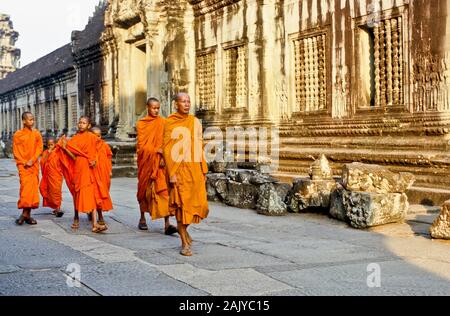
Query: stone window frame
point(202, 52)
point(225, 46)
point(358, 23)
point(319, 30)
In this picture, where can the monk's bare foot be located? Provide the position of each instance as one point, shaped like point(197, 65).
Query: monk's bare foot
point(58, 213)
point(186, 251)
point(189, 239)
point(142, 226)
point(170, 230)
point(76, 224)
point(99, 229)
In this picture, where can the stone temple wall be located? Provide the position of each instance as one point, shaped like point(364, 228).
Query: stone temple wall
point(363, 81)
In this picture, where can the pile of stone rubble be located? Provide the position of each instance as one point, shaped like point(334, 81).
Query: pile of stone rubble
point(365, 196)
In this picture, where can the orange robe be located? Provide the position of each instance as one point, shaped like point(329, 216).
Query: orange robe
point(83, 146)
point(67, 167)
point(153, 194)
point(27, 145)
point(188, 197)
point(52, 179)
point(102, 174)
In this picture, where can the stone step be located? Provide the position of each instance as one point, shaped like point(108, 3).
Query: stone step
point(428, 196)
point(124, 171)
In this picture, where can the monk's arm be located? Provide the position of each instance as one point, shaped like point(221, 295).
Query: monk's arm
point(69, 153)
point(17, 157)
point(40, 148)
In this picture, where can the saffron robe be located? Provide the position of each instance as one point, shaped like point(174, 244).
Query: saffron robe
point(184, 156)
point(52, 179)
point(102, 175)
point(153, 194)
point(28, 145)
point(84, 147)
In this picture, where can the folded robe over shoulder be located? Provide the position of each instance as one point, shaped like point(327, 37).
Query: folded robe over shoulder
point(52, 179)
point(67, 167)
point(183, 153)
point(84, 147)
point(102, 175)
point(153, 195)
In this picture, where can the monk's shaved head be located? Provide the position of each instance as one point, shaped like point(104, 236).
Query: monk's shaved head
point(97, 131)
point(25, 115)
point(182, 103)
point(179, 95)
point(28, 120)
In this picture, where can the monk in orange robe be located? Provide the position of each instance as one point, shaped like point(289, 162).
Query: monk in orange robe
point(153, 193)
point(52, 178)
point(103, 174)
point(83, 150)
point(187, 168)
point(27, 148)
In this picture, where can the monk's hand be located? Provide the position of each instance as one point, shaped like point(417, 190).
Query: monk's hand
point(92, 163)
point(29, 164)
point(173, 179)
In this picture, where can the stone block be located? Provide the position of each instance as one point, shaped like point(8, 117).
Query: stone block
point(375, 179)
point(271, 199)
point(308, 194)
point(212, 182)
point(365, 209)
point(249, 176)
point(337, 209)
point(441, 226)
point(241, 195)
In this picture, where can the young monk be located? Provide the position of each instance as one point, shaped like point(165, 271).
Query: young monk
point(153, 194)
point(83, 149)
point(52, 178)
point(103, 174)
point(187, 168)
point(27, 147)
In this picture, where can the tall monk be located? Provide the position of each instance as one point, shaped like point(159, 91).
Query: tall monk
point(83, 149)
point(187, 168)
point(103, 174)
point(153, 194)
point(52, 178)
point(27, 147)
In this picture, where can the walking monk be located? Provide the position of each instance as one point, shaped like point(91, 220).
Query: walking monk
point(187, 168)
point(83, 149)
point(103, 174)
point(52, 178)
point(27, 147)
point(153, 194)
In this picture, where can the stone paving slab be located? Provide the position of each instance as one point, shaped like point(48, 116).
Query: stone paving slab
point(133, 279)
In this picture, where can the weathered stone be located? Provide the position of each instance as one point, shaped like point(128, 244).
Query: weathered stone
point(271, 199)
point(9, 55)
point(308, 194)
point(320, 169)
point(222, 189)
point(212, 180)
point(240, 175)
point(217, 167)
point(441, 226)
point(375, 179)
point(365, 209)
point(242, 195)
point(337, 209)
